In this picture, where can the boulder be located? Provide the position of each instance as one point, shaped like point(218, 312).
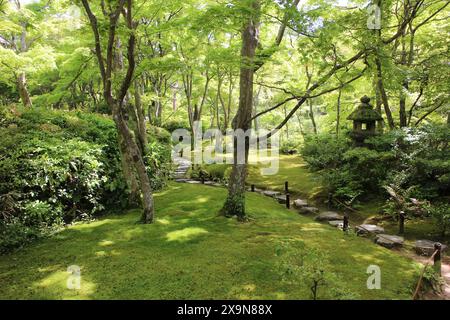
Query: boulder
point(306, 210)
point(426, 247)
point(299, 203)
point(270, 193)
point(336, 223)
point(389, 241)
point(368, 228)
point(329, 216)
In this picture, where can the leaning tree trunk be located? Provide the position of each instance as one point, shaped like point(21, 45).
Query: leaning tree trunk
point(235, 202)
point(133, 152)
point(23, 91)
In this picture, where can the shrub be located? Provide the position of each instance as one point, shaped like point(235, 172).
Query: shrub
point(288, 147)
point(441, 215)
point(421, 155)
point(310, 267)
point(60, 166)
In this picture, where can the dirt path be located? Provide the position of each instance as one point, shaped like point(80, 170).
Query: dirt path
point(445, 271)
point(446, 275)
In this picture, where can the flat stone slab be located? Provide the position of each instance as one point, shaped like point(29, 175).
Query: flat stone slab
point(193, 181)
point(336, 223)
point(329, 216)
point(281, 198)
point(389, 241)
point(270, 193)
point(181, 180)
point(369, 228)
point(299, 203)
point(306, 210)
point(426, 247)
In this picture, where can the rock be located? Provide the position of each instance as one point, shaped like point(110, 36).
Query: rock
point(193, 181)
point(389, 241)
point(281, 198)
point(368, 228)
point(270, 193)
point(299, 203)
point(307, 210)
point(209, 183)
point(181, 180)
point(336, 223)
point(329, 216)
point(426, 247)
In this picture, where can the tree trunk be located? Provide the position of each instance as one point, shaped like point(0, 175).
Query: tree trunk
point(405, 87)
point(129, 173)
point(338, 113)
point(132, 152)
point(378, 104)
point(140, 116)
point(402, 107)
point(23, 91)
point(235, 202)
point(311, 116)
point(384, 97)
point(116, 104)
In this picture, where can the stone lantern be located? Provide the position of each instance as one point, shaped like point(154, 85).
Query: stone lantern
point(364, 121)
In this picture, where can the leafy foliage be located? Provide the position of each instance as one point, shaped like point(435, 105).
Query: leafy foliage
point(414, 159)
point(58, 167)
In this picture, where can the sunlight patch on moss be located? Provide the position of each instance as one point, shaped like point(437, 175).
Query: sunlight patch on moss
point(185, 234)
point(163, 221)
point(57, 282)
point(105, 243)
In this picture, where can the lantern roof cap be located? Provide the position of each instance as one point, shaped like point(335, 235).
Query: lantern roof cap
point(365, 112)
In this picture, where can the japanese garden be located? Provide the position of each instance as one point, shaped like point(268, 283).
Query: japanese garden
point(224, 150)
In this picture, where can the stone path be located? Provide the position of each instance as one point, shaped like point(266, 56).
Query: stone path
point(183, 166)
point(330, 217)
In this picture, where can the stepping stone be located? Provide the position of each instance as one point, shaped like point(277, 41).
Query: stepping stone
point(270, 193)
point(193, 181)
point(256, 189)
point(306, 210)
point(299, 203)
point(389, 241)
point(209, 183)
point(368, 228)
point(181, 180)
point(329, 216)
point(336, 223)
point(426, 247)
point(281, 198)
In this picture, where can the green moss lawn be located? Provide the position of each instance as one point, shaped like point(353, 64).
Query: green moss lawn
point(191, 253)
point(292, 169)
